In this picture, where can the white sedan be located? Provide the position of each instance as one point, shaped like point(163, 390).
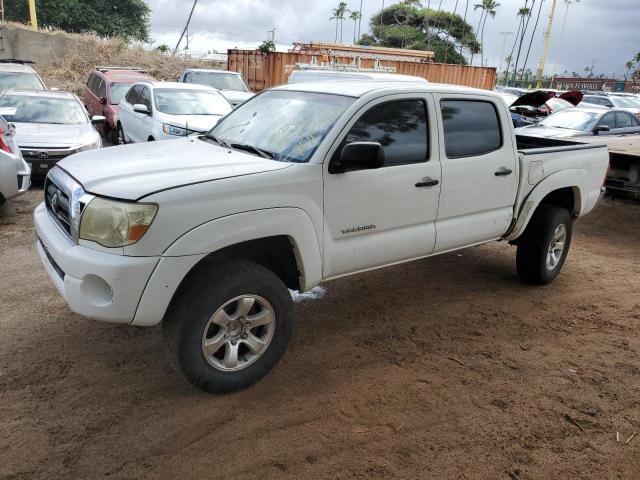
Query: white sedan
point(164, 110)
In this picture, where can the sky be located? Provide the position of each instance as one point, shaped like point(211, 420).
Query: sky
point(603, 33)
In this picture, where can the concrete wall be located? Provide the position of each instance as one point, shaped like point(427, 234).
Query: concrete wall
point(23, 44)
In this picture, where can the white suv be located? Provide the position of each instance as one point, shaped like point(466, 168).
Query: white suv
point(164, 110)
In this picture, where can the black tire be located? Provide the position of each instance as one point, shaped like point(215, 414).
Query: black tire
point(534, 245)
point(121, 140)
point(202, 295)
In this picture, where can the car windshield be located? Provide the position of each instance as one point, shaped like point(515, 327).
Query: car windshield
point(117, 91)
point(35, 109)
point(287, 125)
point(557, 104)
point(221, 81)
point(175, 101)
point(574, 120)
point(24, 80)
point(624, 102)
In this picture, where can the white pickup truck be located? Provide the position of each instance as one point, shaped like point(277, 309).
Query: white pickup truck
point(301, 184)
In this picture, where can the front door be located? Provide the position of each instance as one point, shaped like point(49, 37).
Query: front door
point(479, 171)
point(376, 217)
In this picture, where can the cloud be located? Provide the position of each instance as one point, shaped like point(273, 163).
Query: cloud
point(603, 32)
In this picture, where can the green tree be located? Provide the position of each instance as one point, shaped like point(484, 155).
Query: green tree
point(416, 28)
point(164, 48)
point(338, 16)
point(355, 16)
point(267, 46)
point(488, 7)
point(128, 19)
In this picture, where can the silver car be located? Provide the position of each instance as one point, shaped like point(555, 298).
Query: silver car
point(15, 174)
point(583, 121)
point(50, 125)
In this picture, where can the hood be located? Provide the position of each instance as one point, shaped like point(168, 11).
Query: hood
point(550, 132)
point(194, 123)
point(131, 172)
point(51, 135)
point(534, 99)
point(574, 97)
point(236, 96)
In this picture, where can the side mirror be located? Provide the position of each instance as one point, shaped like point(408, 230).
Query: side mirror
point(98, 119)
point(140, 108)
point(103, 100)
point(359, 156)
point(603, 128)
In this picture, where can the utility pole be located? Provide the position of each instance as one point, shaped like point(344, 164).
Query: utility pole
point(271, 35)
point(359, 20)
point(185, 27)
point(545, 49)
point(32, 14)
point(381, 17)
point(567, 4)
point(504, 44)
point(2, 9)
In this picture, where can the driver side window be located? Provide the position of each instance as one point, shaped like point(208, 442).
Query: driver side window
point(399, 126)
point(609, 120)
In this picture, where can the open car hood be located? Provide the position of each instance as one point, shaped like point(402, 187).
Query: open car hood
point(574, 97)
point(534, 99)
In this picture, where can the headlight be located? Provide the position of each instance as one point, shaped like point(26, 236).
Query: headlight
point(90, 146)
point(171, 130)
point(116, 224)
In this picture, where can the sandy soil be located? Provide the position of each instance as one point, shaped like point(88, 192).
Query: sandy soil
point(448, 368)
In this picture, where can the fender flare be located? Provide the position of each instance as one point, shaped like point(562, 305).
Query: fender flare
point(570, 178)
point(291, 222)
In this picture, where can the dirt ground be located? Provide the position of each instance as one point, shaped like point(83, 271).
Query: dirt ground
point(447, 368)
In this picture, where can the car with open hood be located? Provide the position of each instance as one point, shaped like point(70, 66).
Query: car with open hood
point(584, 121)
point(529, 108)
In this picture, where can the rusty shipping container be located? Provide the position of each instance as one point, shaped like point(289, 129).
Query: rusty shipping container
point(264, 71)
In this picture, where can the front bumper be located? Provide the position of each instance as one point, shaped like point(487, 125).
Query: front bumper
point(95, 284)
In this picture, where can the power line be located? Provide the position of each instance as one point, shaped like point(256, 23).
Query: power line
point(186, 26)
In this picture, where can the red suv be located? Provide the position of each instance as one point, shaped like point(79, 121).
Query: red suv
point(104, 90)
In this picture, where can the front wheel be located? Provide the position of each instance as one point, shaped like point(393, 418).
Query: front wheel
point(228, 325)
point(543, 247)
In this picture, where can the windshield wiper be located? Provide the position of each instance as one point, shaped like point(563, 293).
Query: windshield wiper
point(219, 141)
point(256, 150)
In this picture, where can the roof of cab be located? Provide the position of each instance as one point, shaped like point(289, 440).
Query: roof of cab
point(15, 67)
point(211, 70)
point(39, 93)
point(359, 88)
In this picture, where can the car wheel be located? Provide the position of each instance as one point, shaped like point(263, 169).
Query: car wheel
point(228, 325)
point(543, 248)
point(120, 135)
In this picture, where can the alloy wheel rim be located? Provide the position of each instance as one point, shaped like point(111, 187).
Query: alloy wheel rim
point(238, 333)
point(556, 247)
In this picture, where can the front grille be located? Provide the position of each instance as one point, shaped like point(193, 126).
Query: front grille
point(58, 204)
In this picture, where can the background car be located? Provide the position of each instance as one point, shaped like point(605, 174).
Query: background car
point(18, 74)
point(623, 102)
point(583, 121)
point(50, 125)
point(527, 109)
point(231, 84)
point(164, 110)
point(105, 88)
point(15, 174)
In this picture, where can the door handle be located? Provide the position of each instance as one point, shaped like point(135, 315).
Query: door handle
point(504, 172)
point(427, 182)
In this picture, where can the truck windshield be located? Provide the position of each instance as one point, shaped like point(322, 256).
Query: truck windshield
point(287, 125)
point(222, 81)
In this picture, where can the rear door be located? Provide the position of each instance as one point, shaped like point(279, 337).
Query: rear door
point(479, 171)
point(386, 215)
point(89, 96)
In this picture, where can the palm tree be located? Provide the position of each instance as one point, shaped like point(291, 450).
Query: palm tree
point(627, 68)
point(489, 8)
point(464, 20)
point(338, 16)
point(523, 13)
point(355, 16)
point(476, 7)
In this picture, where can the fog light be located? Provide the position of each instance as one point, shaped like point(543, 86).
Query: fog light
point(96, 291)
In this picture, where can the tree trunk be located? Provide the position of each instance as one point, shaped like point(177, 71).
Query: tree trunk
point(477, 31)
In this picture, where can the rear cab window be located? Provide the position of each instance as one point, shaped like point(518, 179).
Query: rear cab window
point(471, 127)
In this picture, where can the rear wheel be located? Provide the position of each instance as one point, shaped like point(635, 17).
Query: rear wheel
point(543, 248)
point(228, 326)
